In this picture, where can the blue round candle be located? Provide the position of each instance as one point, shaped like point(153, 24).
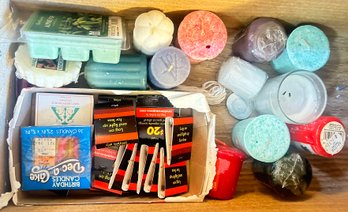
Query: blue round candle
point(238, 107)
point(265, 138)
point(169, 67)
point(307, 49)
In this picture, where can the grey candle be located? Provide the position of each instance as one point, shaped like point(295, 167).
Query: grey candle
point(262, 41)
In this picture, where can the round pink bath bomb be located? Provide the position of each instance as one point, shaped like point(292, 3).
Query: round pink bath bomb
point(202, 35)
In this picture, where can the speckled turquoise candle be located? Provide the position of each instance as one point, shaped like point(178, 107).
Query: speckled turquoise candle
point(265, 138)
point(307, 49)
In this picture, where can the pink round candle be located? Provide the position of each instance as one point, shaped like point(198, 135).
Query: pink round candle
point(202, 36)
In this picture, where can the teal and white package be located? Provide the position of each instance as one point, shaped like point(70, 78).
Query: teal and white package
point(75, 35)
point(56, 157)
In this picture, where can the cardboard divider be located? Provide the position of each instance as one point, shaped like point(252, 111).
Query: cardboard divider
point(201, 165)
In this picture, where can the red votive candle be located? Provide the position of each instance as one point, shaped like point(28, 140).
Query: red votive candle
point(228, 166)
point(202, 36)
point(325, 136)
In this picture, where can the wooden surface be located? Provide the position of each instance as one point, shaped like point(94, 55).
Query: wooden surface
point(329, 188)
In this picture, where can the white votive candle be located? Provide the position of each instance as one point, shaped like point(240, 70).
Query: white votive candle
point(298, 97)
point(244, 79)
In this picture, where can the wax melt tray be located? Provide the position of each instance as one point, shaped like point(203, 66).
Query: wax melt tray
point(47, 33)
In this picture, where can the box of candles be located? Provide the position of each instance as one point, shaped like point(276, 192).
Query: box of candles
point(132, 169)
point(56, 157)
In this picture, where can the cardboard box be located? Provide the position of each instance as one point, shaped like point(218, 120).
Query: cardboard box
point(201, 165)
point(329, 189)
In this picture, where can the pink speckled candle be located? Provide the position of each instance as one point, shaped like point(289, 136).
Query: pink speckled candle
point(202, 36)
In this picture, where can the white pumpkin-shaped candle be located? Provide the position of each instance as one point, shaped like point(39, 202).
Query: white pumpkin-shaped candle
point(152, 31)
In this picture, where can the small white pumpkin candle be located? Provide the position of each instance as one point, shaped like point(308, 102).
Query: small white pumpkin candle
point(152, 31)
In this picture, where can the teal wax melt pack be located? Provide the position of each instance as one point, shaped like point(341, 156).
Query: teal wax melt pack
point(129, 73)
point(75, 35)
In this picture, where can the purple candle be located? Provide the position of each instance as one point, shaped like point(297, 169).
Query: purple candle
point(262, 41)
point(169, 67)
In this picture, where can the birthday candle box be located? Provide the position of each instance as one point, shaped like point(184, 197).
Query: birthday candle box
point(56, 157)
point(63, 109)
point(115, 123)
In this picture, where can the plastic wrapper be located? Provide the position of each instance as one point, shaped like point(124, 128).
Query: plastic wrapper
point(289, 176)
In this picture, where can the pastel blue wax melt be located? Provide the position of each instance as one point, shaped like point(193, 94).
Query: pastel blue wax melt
point(265, 138)
point(129, 73)
point(307, 49)
point(75, 35)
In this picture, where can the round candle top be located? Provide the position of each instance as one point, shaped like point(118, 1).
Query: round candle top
point(238, 107)
point(262, 41)
point(302, 97)
point(152, 31)
point(265, 138)
point(202, 35)
point(169, 67)
point(307, 49)
point(325, 136)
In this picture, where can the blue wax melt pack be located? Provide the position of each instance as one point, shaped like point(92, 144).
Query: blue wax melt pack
point(129, 73)
point(75, 35)
point(56, 157)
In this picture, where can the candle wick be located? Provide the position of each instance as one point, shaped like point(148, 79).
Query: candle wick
point(305, 43)
point(170, 68)
point(202, 27)
point(170, 64)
